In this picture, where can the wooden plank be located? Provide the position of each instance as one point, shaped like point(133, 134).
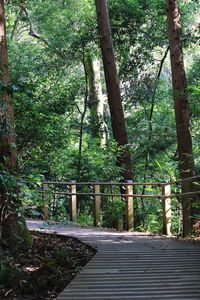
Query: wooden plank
point(158, 269)
point(131, 266)
point(154, 278)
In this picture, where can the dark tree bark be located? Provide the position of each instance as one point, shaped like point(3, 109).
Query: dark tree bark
point(10, 228)
point(113, 89)
point(8, 140)
point(181, 107)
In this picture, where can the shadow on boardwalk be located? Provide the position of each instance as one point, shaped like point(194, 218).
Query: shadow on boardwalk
point(132, 265)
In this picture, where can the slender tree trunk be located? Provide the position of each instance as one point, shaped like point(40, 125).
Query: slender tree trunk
point(96, 100)
point(113, 89)
point(181, 107)
point(150, 118)
point(9, 225)
point(83, 114)
point(15, 26)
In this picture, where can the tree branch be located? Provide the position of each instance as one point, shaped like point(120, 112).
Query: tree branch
point(32, 31)
point(13, 33)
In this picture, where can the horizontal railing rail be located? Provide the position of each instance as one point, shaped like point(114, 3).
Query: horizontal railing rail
point(122, 183)
point(98, 190)
point(128, 195)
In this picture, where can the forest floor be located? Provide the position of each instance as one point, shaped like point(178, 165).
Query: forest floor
point(43, 270)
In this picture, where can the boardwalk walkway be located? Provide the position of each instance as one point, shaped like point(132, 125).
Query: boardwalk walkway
point(132, 267)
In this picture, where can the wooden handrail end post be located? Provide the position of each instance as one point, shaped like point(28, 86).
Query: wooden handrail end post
point(167, 213)
point(129, 207)
point(97, 205)
point(73, 202)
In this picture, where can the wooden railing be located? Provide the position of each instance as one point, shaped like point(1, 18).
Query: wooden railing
point(128, 196)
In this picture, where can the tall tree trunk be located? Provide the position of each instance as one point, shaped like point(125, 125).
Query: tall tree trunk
point(113, 89)
point(8, 141)
point(96, 100)
point(181, 107)
point(83, 114)
point(9, 225)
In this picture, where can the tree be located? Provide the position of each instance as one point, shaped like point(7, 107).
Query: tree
point(181, 107)
point(96, 99)
point(113, 89)
point(49, 82)
point(10, 228)
point(8, 142)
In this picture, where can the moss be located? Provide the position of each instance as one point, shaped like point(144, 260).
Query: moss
point(15, 231)
point(26, 236)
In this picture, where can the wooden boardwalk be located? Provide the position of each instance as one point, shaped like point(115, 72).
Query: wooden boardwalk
point(132, 267)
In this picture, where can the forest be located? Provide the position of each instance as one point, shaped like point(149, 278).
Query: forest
point(98, 91)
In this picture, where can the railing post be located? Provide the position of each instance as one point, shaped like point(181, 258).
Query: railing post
point(73, 202)
point(167, 213)
point(129, 207)
point(97, 205)
point(45, 201)
point(186, 209)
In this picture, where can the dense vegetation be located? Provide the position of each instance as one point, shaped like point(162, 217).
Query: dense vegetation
point(51, 45)
point(87, 113)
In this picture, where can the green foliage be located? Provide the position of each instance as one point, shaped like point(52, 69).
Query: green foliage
point(114, 211)
point(48, 88)
point(85, 220)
